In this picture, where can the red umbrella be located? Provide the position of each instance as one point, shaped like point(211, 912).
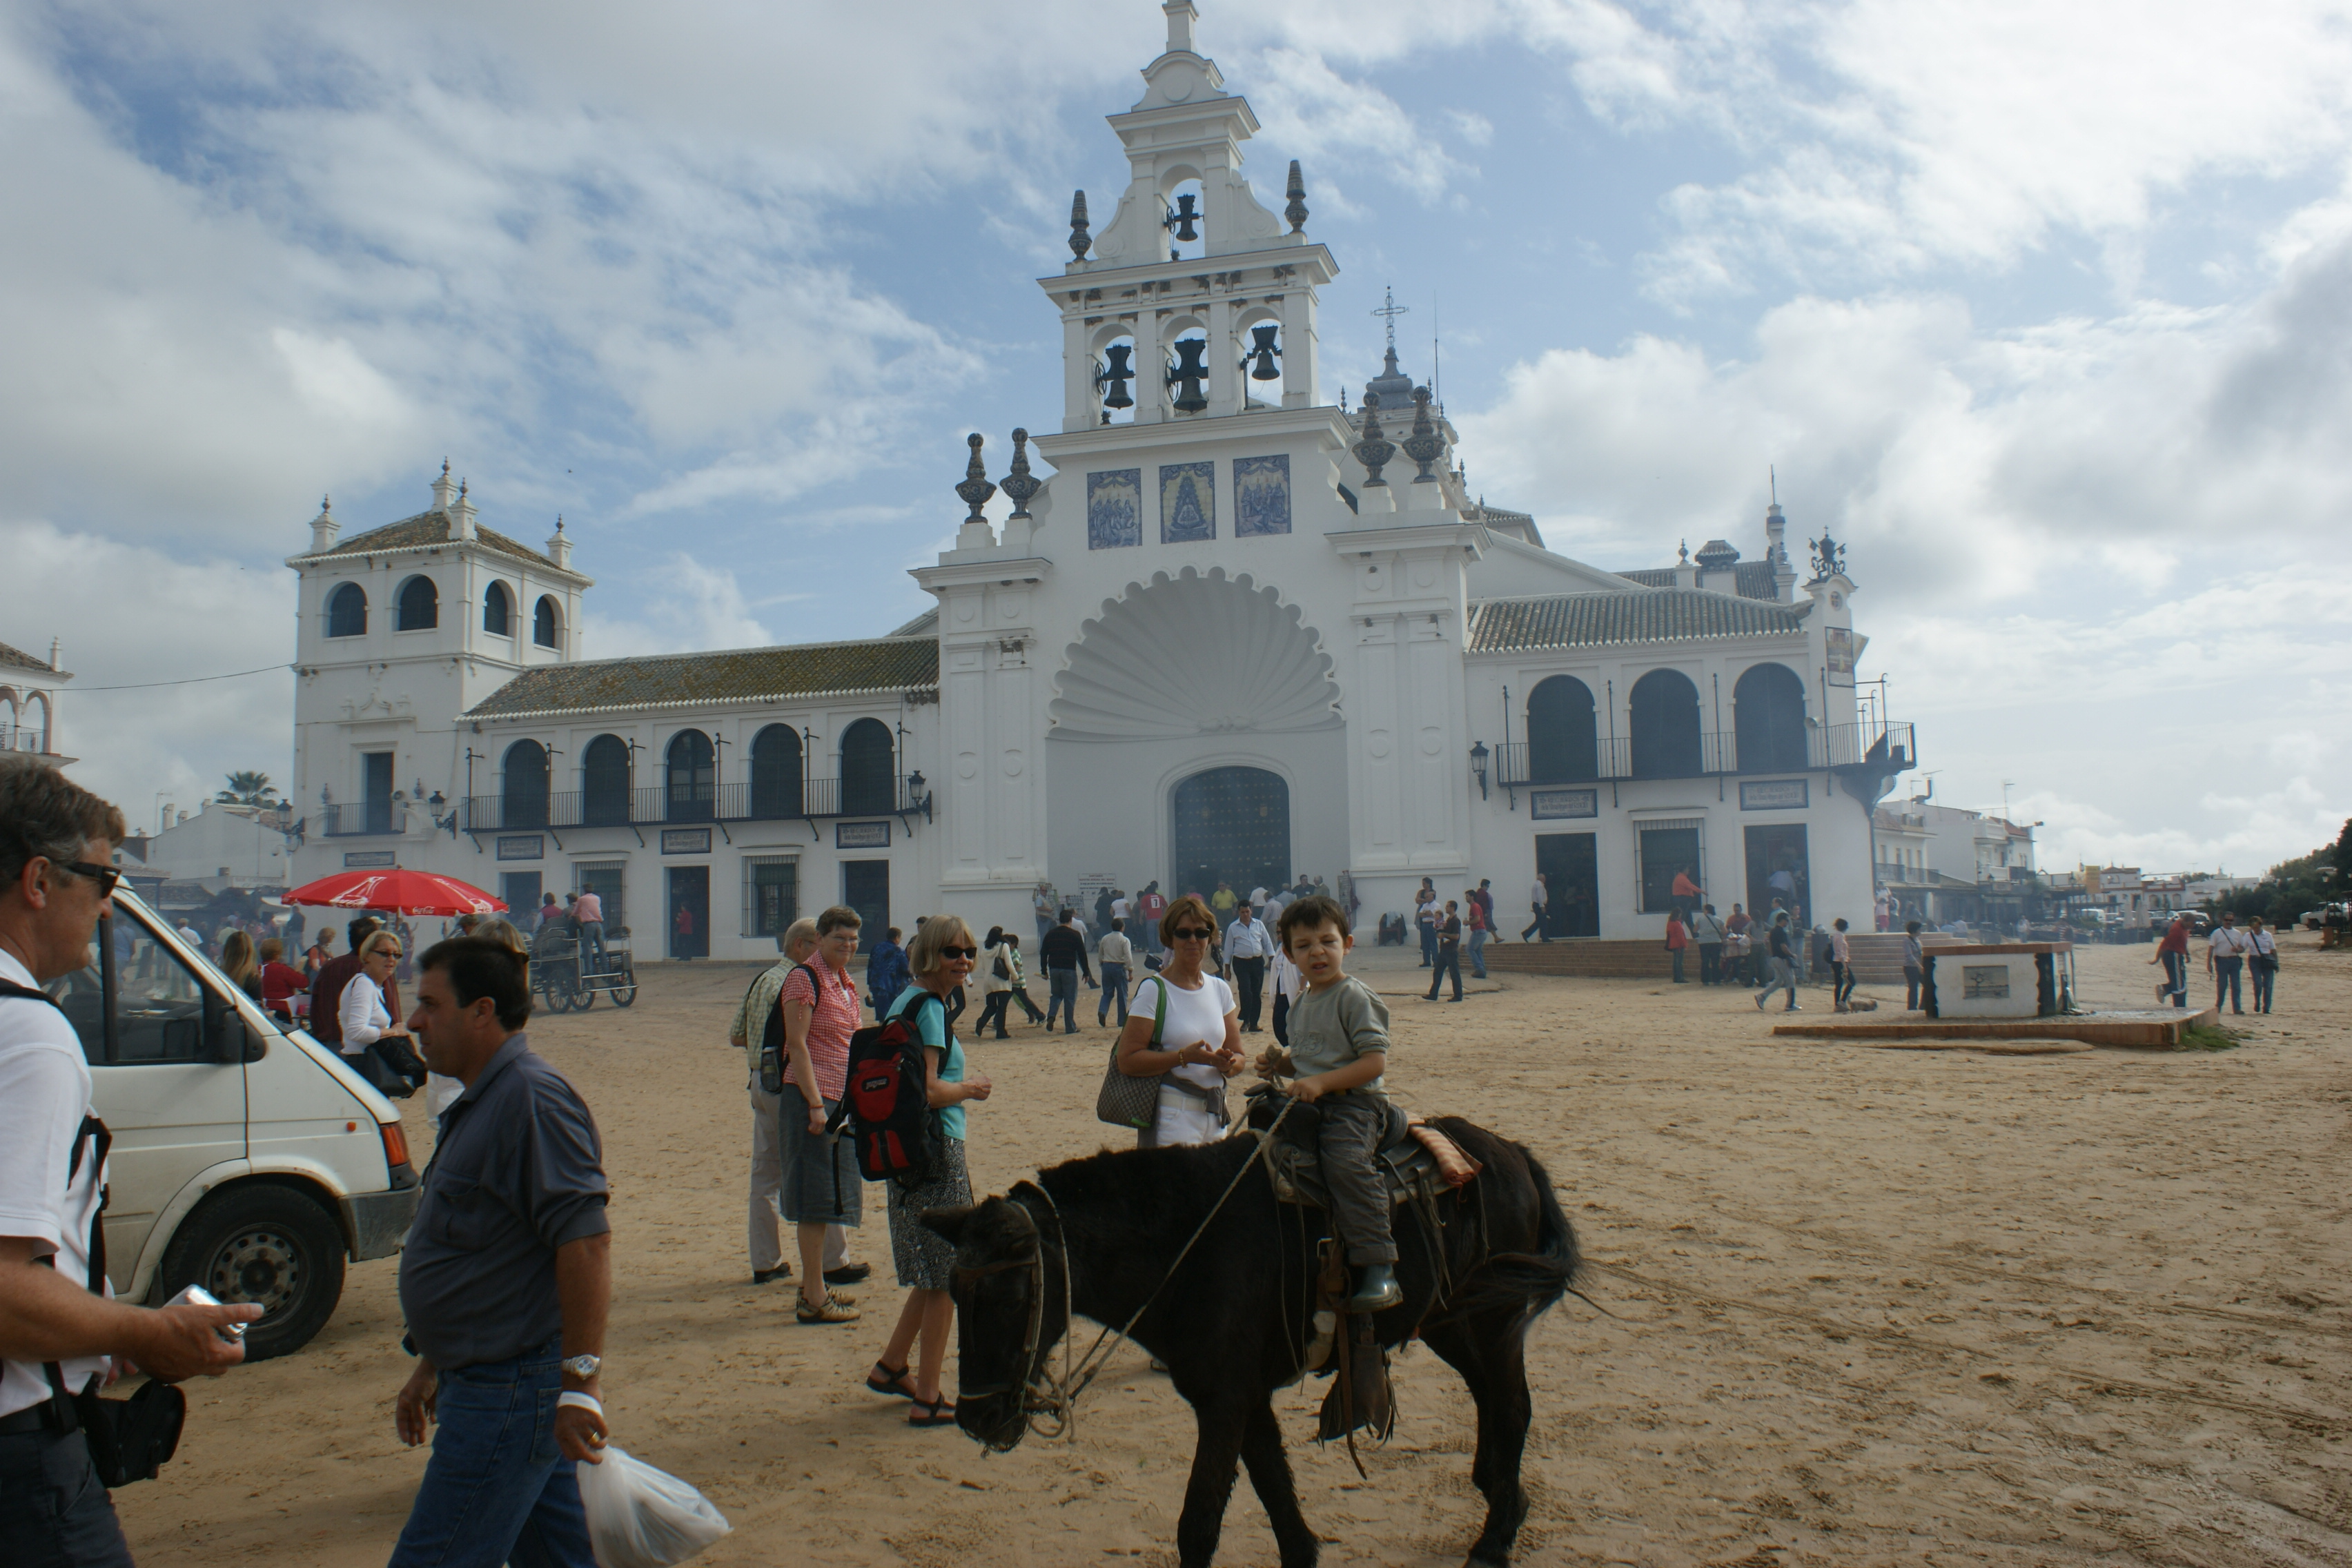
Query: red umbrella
point(408, 892)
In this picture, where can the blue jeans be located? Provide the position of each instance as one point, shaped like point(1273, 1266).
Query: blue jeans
point(497, 1490)
point(1478, 954)
point(1062, 996)
point(53, 1512)
point(1114, 981)
point(1428, 943)
point(591, 947)
point(2227, 973)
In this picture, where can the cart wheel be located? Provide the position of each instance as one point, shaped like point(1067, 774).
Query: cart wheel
point(624, 986)
point(583, 992)
point(559, 993)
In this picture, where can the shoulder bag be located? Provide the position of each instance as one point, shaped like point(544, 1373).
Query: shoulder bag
point(1134, 1102)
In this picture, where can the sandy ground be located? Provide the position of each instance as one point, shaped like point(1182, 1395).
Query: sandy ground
point(1870, 1306)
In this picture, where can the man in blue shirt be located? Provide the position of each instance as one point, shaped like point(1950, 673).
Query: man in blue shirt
point(885, 973)
point(1248, 944)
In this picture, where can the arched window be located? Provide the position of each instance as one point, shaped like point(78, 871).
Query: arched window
point(523, 786)
point(346, 612)
point(419, 606)
point(1666, 726)
point(1768, 720)
point(776, 772)
point(692, 777)
point(497, 610)
point(868, 788)
point(8, 742)
point(605, 783)
point(36, 722)
point(1560, 745)
point(542, 622)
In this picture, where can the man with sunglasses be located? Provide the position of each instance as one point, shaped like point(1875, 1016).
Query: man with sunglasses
point(58, 1315)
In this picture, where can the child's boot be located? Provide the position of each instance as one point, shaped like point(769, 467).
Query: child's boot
point(1378, 1291)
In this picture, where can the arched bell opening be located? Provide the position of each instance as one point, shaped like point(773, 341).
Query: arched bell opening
point(1186, 221)
point(1189, 369)
point(1258, 351)
point(1115, 374)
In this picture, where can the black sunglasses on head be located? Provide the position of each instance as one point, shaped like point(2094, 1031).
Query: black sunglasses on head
point(105, 876)
point(960, 953)
point(1193, 933)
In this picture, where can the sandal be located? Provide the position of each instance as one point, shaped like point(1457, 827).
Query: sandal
point(894, 1383)
point(835, 1311)
point(938, 1412)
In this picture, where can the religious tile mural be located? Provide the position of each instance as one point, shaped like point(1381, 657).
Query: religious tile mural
point(1114, 508)
point(1188, 502)
point(1261, 496)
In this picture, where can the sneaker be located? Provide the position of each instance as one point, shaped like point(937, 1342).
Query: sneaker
point(1792, 1007)
point(1759, 1002)
point(762, 1276)
point(848, 1273)
point(837, 1308)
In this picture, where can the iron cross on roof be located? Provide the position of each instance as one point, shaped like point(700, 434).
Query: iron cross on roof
point(1392, 310)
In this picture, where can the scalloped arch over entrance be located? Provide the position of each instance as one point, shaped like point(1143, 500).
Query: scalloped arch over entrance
point(1194, 655)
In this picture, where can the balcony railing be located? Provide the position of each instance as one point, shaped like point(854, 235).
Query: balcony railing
point(670, 805)
point(23, 737)
point(378, 817)
point(1705, 754)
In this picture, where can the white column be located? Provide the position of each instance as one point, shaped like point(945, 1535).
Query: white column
point(1078, 398)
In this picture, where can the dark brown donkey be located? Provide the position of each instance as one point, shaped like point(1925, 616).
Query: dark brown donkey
point(1099, 1234)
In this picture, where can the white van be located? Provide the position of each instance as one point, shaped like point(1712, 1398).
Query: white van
point(247, 1158)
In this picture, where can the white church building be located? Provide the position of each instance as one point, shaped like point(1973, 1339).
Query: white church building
point(1239, 627)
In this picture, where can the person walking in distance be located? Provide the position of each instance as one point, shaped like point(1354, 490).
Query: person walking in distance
point(748, 1033)
point(1117, 955)
point(2225, 960)
point(1448, 927)
point(1424, 920)
point(2261, 962)
point(1485, 898)
point(1915, 966)
point(1538, 896)
point(1248, 944)
point(505, 1283)
point(1842, 976)
point(1474, 920)
point(1064, 954)
point(61, 1330)
point(1678, 941)
point(1707, 934)
point(1781, 954)
point(886, 973)
point(1151, 905)
point(1184, 1031)
point(1283, 975)
point(995, 982)
point(1042, 903)
point(1019, 977)
point(821, 1183)
point(2173, 953)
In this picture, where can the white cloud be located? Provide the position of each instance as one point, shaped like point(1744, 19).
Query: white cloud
point(690, 607)
point(1316, 114)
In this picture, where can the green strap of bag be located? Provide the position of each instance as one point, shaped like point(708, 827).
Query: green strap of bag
point(1134, 1102)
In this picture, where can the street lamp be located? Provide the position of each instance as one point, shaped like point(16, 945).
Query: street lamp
point(1478, 765)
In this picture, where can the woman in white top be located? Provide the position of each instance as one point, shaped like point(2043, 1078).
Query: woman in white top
point(368, 1024)
point(1200, 1041)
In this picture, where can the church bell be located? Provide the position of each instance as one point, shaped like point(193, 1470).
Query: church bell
point(1263, 351)
point(1182, 218)
point(1116, 375)
point(1187, 374)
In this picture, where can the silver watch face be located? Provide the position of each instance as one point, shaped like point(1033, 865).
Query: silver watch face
point(583, 1365)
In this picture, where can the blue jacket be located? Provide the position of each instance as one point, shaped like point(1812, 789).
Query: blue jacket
point(885, 973)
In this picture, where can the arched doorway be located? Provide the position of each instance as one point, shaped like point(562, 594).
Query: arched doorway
point(1768, 717)
point(1666, 726)
point(866, 787)
point(691, 771)
point(1233, 826)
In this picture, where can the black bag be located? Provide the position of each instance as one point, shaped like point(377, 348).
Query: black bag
point(773, 1043)
point(885, 1100)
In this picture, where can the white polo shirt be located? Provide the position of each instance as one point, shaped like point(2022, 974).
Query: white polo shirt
point(44, 1095)
point(2229, 942)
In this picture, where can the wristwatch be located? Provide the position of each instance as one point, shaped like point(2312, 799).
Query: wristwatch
point(582, 1367)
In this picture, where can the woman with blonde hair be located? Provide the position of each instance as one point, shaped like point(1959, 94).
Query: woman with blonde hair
point(236, 961)
point(369, 1029)
point(1199, 1028)
point(942, 957)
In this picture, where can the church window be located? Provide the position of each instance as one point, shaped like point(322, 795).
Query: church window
point(1261, 496)
point(1768, 719)
point(1114, 509)
point(419, 606)
point(542, 622)
point(868, 787)
point(523, 786)
point(605, 783)
point(346, 612)
point(497, 610)
point(1188, 502)
point(1666, 726)
point(776, 772)
point(1561, 747)
point(692, 776)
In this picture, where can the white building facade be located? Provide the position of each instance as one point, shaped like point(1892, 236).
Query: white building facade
point(1240, 633)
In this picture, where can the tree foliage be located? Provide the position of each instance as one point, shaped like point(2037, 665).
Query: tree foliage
point(2292, 888)
point(246, 787)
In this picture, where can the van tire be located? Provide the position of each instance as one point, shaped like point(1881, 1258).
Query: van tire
point(261, 1242)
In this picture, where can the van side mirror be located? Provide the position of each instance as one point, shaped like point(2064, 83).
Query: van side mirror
point(228, 1038)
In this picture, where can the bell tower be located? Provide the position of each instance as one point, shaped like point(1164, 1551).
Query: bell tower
point(1195, 300)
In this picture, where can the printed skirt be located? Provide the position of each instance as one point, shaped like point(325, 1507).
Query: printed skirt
point(924, 1257)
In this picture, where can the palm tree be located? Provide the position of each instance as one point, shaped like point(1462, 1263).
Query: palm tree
point(246, 787)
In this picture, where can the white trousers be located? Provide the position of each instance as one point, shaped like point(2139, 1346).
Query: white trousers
point(1181, 1120)
point(766, 1235)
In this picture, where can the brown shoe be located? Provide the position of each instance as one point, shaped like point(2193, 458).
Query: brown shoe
point(836, 1310)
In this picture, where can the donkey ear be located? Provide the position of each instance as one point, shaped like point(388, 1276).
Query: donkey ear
point(949, 1223)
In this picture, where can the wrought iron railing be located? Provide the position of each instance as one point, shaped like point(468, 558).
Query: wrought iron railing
point(381, 818)
point(684, 803)
point(24, 738)
point(1705, 754)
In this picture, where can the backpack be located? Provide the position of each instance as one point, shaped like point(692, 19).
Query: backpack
point(773, 1050)
point(884, 1099)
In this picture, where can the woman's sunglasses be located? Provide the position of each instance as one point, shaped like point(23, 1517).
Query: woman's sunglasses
point(971, 953)
point(1193, 933)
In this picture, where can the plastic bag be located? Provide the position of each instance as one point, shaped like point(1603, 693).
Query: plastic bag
point(639, 1517)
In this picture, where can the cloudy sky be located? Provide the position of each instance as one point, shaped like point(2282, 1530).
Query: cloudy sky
point(2046, 310)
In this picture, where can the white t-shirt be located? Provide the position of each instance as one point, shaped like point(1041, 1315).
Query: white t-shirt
point(2227, 941)
point(1195, 1017)
point(44, 1095)
point(1122, 909)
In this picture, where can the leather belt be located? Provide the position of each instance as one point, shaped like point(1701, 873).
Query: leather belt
point(32, 1418)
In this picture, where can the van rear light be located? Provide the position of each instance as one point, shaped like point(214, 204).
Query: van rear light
point(395, 1144)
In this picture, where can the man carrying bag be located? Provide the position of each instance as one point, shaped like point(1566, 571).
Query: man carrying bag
point(62, 1333)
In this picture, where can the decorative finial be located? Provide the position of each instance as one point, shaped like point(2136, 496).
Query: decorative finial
point(1424, 445)
point(325, 504)
point(1297, 211)
point(444, 468)
point(559, 522)
point(975, 489)
point(1682, 553)
point(1829, 558)
point(1373, 450)
point(1020, 484)
point(1080, 238)
point(461, 490)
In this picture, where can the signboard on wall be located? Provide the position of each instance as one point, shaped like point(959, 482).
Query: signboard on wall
point(861, 835)
point(1840, 641)
point(370, 859)
point(522, 847)
point(1775, 794)
point(686, 841)
point(1547, 804)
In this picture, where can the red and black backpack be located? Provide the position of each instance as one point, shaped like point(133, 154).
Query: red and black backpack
point(884, 1099)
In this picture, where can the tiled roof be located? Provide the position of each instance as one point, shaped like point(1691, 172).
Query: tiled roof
point(18, 659)
point(1753, 579)
point(430, 528)
point(1664, 615)
point(743, 675)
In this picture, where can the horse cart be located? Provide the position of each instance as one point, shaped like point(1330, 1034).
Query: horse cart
point(567, 972)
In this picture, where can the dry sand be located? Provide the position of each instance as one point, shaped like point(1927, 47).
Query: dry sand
point(1871, 1306)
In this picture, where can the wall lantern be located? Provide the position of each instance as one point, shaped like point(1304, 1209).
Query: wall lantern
point(1478, 765)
